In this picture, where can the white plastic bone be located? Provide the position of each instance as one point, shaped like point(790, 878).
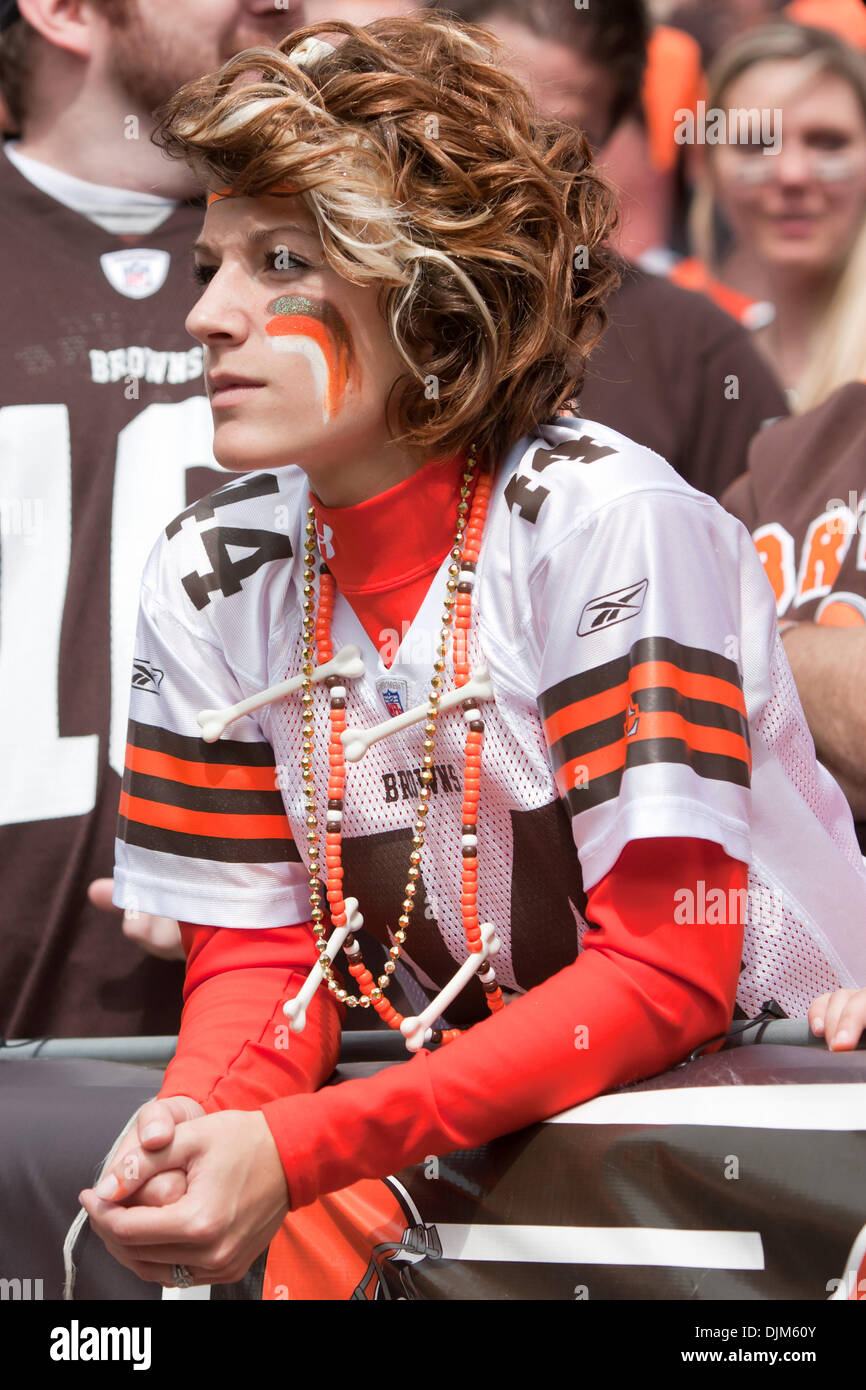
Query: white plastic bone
point(295, 1009)
point(357, 741)
point(416, 1031)
point(214, 722)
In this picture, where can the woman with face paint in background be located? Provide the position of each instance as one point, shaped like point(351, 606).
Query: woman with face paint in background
point(780, 233)
point(522, 705)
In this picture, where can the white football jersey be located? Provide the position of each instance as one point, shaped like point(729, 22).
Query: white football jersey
point(640, 689)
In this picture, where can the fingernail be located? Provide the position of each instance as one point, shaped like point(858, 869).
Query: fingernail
point(154, 1131)
point(107, 1188)
point(818, 1027)
point(841, 1038)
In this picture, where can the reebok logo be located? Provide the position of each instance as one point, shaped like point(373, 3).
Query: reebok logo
point(146, 676)
point(612, 608)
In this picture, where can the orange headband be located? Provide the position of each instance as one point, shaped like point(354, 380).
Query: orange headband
point(230, 192)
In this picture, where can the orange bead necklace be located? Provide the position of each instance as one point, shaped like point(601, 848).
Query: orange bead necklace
point(456, 618)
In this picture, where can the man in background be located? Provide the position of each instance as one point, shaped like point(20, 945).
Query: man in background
point(105, 434)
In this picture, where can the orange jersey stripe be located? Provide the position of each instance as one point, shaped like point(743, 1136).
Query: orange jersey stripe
point(214, 823)
point(698, 737)
point(644, 676)
point(225, 775)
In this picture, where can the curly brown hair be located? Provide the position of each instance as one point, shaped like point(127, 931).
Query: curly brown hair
point(429, 170)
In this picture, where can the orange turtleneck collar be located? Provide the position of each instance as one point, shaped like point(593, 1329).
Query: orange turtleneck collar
point(384, 552)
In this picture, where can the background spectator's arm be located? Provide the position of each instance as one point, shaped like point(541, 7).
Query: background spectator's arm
point(829, 666)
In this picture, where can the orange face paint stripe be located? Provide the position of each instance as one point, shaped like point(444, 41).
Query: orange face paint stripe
point(299, 314)
point(227, 776)
point(212, 823)
point(299, 325)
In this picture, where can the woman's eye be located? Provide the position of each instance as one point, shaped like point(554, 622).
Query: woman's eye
point(278, 259)
point(283, 259)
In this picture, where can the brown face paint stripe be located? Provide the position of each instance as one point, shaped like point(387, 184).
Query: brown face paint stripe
point(321, 321)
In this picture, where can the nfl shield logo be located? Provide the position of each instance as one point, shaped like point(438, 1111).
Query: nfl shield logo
point(137, 272)
point(394, 696)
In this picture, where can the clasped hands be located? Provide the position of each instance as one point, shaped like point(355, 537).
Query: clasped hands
point(186, 1188)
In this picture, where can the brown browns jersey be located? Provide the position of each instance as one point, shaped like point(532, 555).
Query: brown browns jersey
point(676, 373)
point(804, 501)
point(106, 431)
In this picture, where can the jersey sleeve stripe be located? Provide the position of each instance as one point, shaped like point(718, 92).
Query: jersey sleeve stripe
point(207, 847)
point(168, 817)
point(645, 676)
point(226, 751)
point(659, 732)
point(219, 799)
point(581, 793)
point(200, 774)
point(649, 705)
point(661, 651)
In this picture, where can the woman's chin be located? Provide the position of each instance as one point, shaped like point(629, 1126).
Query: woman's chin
point(249, 457)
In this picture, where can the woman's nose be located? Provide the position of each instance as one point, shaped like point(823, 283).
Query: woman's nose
point(217, 313)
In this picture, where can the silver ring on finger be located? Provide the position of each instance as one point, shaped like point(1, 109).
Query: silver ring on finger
point(182, 1277)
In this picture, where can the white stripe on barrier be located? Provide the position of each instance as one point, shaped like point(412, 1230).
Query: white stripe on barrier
point(806, 1107)
point(603, 1245)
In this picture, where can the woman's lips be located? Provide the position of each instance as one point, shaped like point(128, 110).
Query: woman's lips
point(232, 395)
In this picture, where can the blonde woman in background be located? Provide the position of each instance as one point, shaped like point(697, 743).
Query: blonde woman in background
point(781, 237)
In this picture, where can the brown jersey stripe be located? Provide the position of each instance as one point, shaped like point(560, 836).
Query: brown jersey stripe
point(211, 847)
point(583, 741)
point(659, 730)
point(222, 800)
point(643, 676)
point(225, 751)
point(224, 826)
point(692, 660)
point(200, 774)
point(584, 795)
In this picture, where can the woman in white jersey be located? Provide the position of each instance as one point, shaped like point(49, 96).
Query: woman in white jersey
point(539, 737)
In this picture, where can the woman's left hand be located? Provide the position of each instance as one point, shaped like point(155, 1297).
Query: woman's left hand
point(235, 1201)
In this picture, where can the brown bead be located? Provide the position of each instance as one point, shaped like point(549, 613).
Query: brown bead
point(476, 726)
point(333, 680)
point(436, 1037)
point(469, 565)
point(470, 852)
point(464, 588)
point(335, 805)
point(470, 830)
point(491, 987)
point(338, 702)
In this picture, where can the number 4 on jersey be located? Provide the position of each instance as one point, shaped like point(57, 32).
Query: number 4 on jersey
point(226, 572)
